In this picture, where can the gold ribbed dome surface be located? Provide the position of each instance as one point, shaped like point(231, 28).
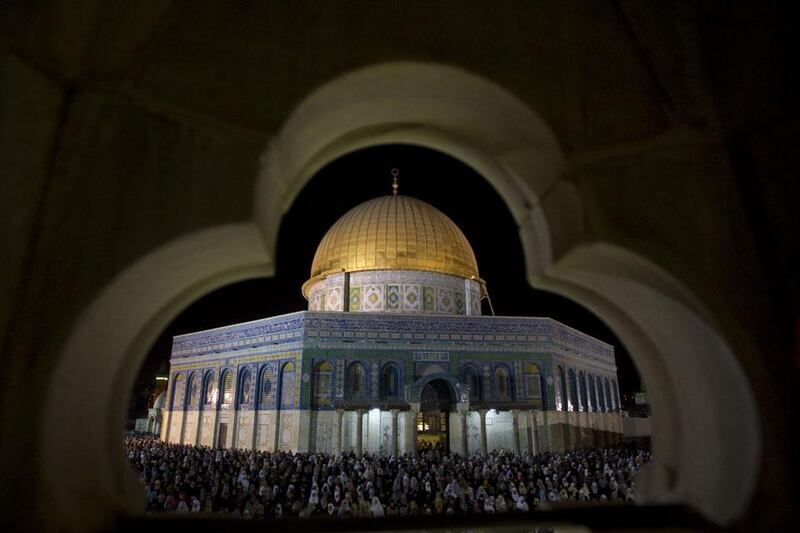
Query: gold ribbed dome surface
point(394, 233)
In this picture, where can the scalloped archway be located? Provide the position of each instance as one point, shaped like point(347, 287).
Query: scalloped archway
point(711, 423)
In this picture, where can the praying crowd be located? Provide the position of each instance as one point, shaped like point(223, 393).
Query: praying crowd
point(256, 484)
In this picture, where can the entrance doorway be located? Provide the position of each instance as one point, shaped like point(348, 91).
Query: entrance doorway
point(433, 431)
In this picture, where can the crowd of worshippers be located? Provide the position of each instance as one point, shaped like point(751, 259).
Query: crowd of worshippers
point(257, 484)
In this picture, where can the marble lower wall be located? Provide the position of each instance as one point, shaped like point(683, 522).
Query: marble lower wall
point(191, 424)
point(175, 426)
point(316, 431)
point(322, 438)
point(245, 422)
point(573, 430)
point(206, 434)
point(288, 430)
point(265, 421)
point(499, 431)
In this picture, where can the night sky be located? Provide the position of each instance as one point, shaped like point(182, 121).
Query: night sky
point(449, 185)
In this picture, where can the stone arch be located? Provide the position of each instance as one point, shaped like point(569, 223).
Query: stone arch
point(227, 389)
point(561, 388)
point(152, 292)
point(244, 387)
point(470, 376)
point(322, 383)
point(572, 390)
point(177, 394)
point(502, 382)
point(414, 391)
point(668, 332)
point(192, 388)
point(287, 398)
point(389, 386)
point(356, 382)
point(583, 392)
point(208, 397)
point(592, 393)
point(266, 387)
point(601, 394)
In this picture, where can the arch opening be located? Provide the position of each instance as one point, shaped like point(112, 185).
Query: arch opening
point(617, 285)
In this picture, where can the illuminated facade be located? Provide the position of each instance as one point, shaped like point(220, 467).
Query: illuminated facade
point(393, 354)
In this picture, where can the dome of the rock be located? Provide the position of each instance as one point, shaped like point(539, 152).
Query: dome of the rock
point(394, 233)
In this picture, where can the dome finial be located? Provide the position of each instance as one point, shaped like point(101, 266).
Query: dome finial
point(395, 173)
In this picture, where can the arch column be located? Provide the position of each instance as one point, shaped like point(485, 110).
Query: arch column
point(395, 413)
point(413, 433)
point(484, 442)
point(515, 429)
point(463, 411)
point(548, 435)
point(359, 432)
point(338, 439)
point(533, 436)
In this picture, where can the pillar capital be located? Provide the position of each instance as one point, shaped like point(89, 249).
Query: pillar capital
point(415, 406)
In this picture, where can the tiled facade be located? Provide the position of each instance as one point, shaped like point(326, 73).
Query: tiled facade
point(393, 334)
point(401, 291)
point(294, 377)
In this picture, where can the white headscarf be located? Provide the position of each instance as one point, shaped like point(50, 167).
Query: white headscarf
point(376, 508)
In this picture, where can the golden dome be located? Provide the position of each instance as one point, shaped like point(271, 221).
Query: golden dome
point(394, 233)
